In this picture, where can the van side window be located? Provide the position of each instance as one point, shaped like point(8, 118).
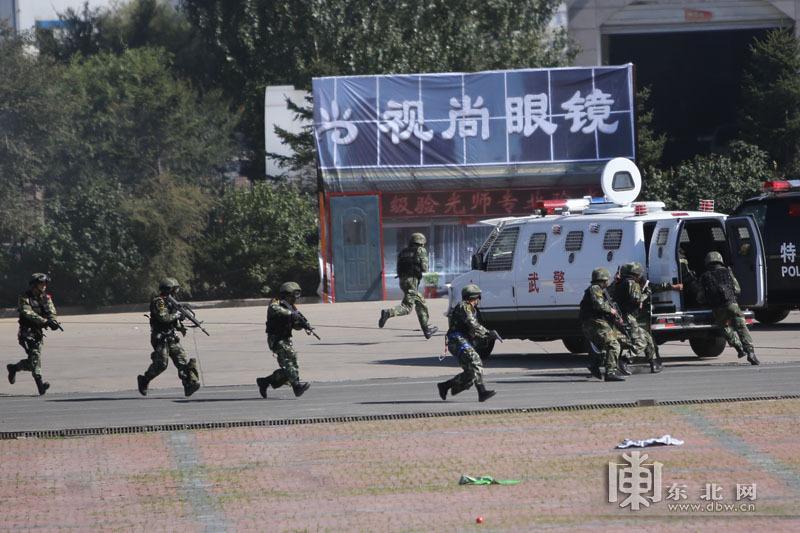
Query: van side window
point(612, 239)
point(718, 234)
point(743, 241)
point(501, 254)
point(574, 241)
point(661, 238)
point(537, 242)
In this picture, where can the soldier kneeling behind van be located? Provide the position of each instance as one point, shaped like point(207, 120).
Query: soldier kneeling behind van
point(597, 317)
point(719, 289)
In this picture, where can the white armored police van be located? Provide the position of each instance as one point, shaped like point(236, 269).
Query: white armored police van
point(533, 270)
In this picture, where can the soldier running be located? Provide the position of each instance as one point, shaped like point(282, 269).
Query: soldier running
point(719, 289)
point(36, 312)
point(412, 262)
point(282, 318)
point(165, 323)
point(598, 316)
point(462, 335)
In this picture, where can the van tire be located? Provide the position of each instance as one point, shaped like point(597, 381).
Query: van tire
point(708, 346)
point(576, 344)
point(771, 315)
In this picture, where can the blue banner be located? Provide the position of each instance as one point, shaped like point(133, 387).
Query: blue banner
point(375, 124)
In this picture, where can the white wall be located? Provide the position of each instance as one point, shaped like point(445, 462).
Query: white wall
point(276, 114)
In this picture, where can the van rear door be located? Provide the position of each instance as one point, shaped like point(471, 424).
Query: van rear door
point(747, 259)
point(497, 279)
point(663, 264)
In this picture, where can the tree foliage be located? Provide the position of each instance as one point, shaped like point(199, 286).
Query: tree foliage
point(258, 238)
point(770, 117)
point(273, 42)
point(725, 178)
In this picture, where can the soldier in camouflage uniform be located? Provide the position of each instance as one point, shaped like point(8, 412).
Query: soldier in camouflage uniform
point(719, 289)
point(412, 262)
point(462, 335)
point(165, 324)
point(633, 296)
point(36, 312)
point(598, 318)
point(282, 318)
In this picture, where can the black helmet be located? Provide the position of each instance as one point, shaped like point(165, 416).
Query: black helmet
point(39, 277)
point(167, 284)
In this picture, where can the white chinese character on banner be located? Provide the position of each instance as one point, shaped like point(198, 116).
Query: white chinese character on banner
point(403, 120)
point(344, 131)
point(467, 117)
point(596, 107)
point(525, 115)
point(640, 481)
point(788, 252)
point(711, 492)
point(746, 491)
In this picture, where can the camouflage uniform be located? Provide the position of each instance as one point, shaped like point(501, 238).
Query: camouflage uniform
point(719, 289)
point(412, 262)
point(165, 324)
point(632, 299)
point(597, 323)
point(36, 312)
point(463, 334)
point(282, 318)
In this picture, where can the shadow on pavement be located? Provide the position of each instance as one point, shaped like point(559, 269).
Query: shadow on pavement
point(400, 401)
point(103, 399)
point(347, 343)
point(207, 400)
point(776, 327)
point(504, 360)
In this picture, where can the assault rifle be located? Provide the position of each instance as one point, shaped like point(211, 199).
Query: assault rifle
point(303, 321)
point(621, 324)
point(53, 322)
point(187, 313)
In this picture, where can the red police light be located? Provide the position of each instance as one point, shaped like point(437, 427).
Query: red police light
point(776, 186)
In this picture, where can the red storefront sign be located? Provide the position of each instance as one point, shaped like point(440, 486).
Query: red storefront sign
point(475, 203)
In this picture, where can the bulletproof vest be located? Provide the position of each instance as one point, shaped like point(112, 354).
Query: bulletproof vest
point(38, 306)
point(621, 292)
point(278, 325)
point(156, 324)
point(408, 264)
point(586, 311)
point(718, 287)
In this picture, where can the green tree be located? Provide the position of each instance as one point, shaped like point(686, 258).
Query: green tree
point(258, 238)
point(87, 247)
point(138, 122)
point(270, 42)
point(35, 133)
point(727, 179)
point(770, 116)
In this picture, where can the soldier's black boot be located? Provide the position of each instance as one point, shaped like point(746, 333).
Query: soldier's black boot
point(613, 376)
point(751, 357)
point(300, 387)
point(190, 387)
point(384, 317)
point(484, 394)
point(263, 384)
point(623, 366)
point(655, 366)
point(444, 387)
point(429, 331)
point(41, 385)
point(12, 373)
point(142, 382)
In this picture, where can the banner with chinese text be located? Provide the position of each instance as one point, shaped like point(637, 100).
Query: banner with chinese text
point(403, 125)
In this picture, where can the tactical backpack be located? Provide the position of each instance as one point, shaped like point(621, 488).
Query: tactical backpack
point(408, 264)
point(718, 287)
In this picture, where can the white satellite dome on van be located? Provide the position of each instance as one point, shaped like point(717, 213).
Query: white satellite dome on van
point(621, 181)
